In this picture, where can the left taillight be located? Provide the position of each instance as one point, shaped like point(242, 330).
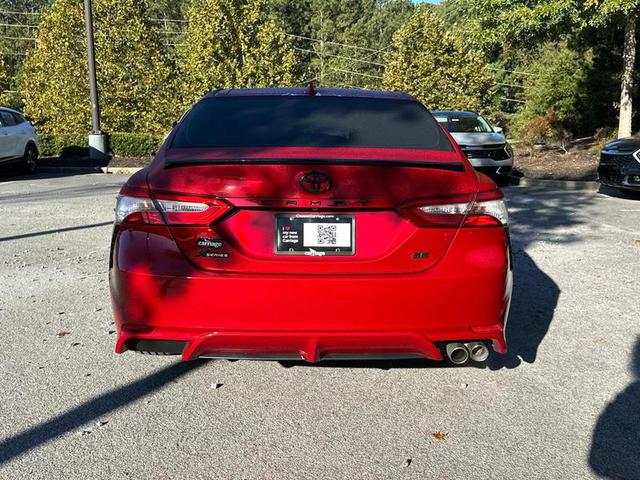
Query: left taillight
point(136, 210)
point(144, 210)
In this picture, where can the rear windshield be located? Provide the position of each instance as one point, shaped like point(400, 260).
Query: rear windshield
point(309, 122)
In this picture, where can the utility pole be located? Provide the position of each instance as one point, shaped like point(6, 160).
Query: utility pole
point(97, 140)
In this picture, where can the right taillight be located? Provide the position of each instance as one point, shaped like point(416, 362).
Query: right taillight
point(478, 213)
point(487, 213)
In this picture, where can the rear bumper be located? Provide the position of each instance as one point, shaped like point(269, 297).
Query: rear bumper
point(465, 296)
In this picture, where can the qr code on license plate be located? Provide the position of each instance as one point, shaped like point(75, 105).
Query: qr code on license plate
point(327, 235)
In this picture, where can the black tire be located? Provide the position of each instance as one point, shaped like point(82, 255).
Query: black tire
point(502, 180)
point(30, 159)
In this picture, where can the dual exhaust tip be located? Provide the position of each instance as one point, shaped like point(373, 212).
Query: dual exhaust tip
point(460, 353)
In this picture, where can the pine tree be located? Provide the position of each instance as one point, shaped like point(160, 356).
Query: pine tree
point(430, 64)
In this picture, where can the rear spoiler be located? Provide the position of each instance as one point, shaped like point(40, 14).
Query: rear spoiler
point(182, 162)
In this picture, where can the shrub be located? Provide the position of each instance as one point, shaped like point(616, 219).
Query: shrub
point(605, 135)
point(135, 144)
point(122, 144)
point(67, 144)
point(557, 83)
point(546, 129)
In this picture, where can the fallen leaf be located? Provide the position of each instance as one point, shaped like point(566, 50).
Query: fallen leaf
point(251, 445)
point(215, 386)
point(63, 333)
point(439, 435)
point(407, 462)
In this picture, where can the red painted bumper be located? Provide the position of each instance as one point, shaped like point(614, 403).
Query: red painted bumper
point(465, 296)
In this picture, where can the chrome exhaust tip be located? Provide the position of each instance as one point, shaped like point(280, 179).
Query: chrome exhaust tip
point(478, 351)
point(457, 353)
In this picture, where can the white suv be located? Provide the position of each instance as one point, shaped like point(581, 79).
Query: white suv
point(18, 142)
point(485, 146)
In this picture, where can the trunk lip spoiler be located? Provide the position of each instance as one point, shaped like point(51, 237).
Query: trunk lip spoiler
point(365, 162)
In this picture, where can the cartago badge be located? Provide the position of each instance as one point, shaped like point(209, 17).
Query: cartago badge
point(209, 242)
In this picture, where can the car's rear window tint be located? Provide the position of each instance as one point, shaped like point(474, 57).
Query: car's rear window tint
point(281, 121)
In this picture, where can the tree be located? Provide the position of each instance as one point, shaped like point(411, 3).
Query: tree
point(233, 43)
point(429, 63)
point(621, 11)
point(54, 83)
point(494, 23)
point(557, 83)
point(133, 71)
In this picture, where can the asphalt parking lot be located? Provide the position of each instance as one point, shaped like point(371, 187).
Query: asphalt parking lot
point(564, 403)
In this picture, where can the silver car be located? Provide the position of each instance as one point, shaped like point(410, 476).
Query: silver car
point(485, 146)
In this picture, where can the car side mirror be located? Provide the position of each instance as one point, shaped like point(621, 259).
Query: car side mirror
point(498, 129)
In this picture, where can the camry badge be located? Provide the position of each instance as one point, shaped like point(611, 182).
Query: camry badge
point(315, 182)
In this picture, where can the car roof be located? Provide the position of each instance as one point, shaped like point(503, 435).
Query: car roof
point(7, 109)
point(462, 113)
point(325, 92)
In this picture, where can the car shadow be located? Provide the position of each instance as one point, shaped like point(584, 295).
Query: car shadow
point(12, 173)
point(616, 193)
point(537, 215)
point(615, 445)
point(91, 410)
point(535, 296)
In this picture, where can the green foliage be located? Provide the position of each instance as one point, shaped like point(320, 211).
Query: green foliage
point(71, 144)
point(133, 70)
point(233, 43)
point(557, 82)
point(135, 144)
point(54, 81)
point(430, 64)
point(122, 144)
point(8, 96)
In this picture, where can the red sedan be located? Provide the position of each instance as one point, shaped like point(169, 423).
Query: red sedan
point(304, 224)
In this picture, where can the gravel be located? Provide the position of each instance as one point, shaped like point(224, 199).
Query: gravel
point(564, 403)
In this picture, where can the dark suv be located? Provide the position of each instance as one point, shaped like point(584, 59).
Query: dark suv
point(620, 164)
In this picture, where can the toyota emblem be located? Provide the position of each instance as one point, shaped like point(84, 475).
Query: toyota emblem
point(315, 182)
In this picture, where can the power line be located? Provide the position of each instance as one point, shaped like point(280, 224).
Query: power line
point(510, 85)
point(329, 42)
point(511, 71)
point(7, 12)
point(355, 73)
point(512, 100)
point(17, 25)
point(337, 56)
point(18, 38)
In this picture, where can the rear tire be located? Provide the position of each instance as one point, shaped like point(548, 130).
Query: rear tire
point(30, 159)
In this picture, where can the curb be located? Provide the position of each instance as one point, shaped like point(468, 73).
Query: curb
point(120, 170)
point(583, 185)
point(69, 169)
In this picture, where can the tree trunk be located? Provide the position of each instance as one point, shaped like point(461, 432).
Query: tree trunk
point(628, 63)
